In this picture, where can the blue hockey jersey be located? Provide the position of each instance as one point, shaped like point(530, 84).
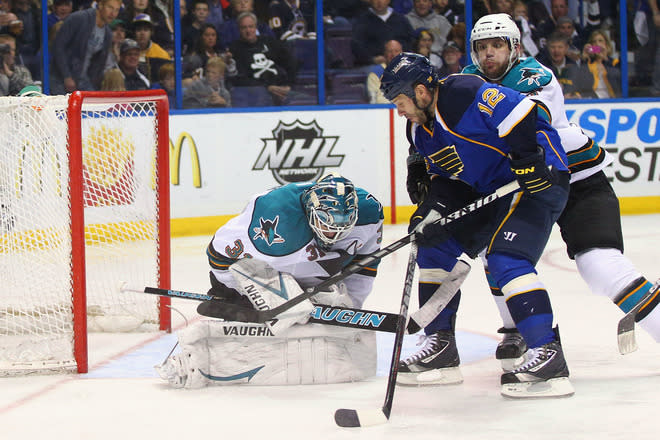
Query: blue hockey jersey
point(470, 137)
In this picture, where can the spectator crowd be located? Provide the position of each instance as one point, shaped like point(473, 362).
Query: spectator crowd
point(238, 53)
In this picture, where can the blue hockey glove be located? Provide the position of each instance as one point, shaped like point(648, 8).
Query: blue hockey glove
point(532, 173)
point(429, 234)
point(418, 180)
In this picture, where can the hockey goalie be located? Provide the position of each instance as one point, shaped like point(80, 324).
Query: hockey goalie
point(286, 240)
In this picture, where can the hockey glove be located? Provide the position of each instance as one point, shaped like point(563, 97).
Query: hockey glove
point(532, 173)
point(418, 180)
point(428, 233)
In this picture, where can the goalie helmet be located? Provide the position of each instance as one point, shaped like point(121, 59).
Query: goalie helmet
point(331, 206)
point(496, 26)
point(404, 72)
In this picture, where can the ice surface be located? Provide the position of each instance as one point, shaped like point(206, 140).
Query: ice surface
point(122, 398)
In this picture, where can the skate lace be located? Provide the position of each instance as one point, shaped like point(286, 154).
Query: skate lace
point(534, 356)
point(429, 344)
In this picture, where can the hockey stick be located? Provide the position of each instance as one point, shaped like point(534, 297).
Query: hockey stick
point(322, 314)
point(233, 312)
point(626, 329)
point(353, 418)
point(440, 298)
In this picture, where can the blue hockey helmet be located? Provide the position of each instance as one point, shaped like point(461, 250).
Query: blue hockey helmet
point(404, 72)
point(331, 205)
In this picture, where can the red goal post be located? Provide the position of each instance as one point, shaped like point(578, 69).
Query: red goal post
point(113, 148)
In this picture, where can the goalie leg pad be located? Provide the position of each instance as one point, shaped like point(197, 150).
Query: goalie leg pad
point(228, 353)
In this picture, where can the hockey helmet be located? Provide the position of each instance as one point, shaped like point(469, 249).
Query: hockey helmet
point(404, 72)
point(496, 26)
point(331, 206)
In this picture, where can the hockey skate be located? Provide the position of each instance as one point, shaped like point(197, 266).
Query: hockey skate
point(543, 374)
point(511, 349)
point(435, 363)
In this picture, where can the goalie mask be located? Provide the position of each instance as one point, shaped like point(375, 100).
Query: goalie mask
point(332, 209)
point(496, 26)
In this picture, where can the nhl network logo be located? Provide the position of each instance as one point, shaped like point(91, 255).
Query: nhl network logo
point(298, 152)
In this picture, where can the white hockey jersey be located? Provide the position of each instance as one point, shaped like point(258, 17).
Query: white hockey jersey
point(273, 227)
point(528, 76)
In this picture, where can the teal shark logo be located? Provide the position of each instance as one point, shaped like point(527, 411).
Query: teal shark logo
point(246, 374)
point(267, 231)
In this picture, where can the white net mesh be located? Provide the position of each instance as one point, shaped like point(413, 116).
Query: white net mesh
point(121, 226)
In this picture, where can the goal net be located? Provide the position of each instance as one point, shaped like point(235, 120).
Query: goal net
point(84, 211)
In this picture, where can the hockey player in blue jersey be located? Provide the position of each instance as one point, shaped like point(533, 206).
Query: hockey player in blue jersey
point(596, 249)
point(294, 236)
point(475, 137)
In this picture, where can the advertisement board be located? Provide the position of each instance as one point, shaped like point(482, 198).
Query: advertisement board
point(218, 160)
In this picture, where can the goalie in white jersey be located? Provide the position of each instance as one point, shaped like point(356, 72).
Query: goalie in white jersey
point(590, 224)
point(299, 234)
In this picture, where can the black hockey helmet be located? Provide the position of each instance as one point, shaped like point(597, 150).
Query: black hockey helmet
point(404, 72)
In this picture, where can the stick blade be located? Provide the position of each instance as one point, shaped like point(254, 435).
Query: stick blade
point(352, 418)
point(626, 334)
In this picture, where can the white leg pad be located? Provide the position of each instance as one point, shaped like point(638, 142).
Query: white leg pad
point(227, 353)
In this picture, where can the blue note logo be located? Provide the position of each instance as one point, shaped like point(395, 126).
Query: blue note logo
point(298, 152)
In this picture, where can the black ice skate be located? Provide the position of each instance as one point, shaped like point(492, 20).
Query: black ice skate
point(543, 374)
point(511, 349)
point(435, 363)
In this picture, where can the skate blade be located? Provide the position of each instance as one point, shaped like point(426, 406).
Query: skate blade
point(626, 341)
point(509, 365)
point(440, 376)
point(559, 387)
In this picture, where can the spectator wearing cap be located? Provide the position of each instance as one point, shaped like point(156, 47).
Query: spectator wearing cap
point(81, 48)
point(423, 44)
point(422, 16)
point(129, 59)
point(152, 55)
point(451, 59)
point(61, 10)
point(160, 33)
point(118, 28)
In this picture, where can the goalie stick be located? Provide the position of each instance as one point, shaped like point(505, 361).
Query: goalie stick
point(322, 314)
point(234, 312)
point(626, 328)
point(353, 418)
